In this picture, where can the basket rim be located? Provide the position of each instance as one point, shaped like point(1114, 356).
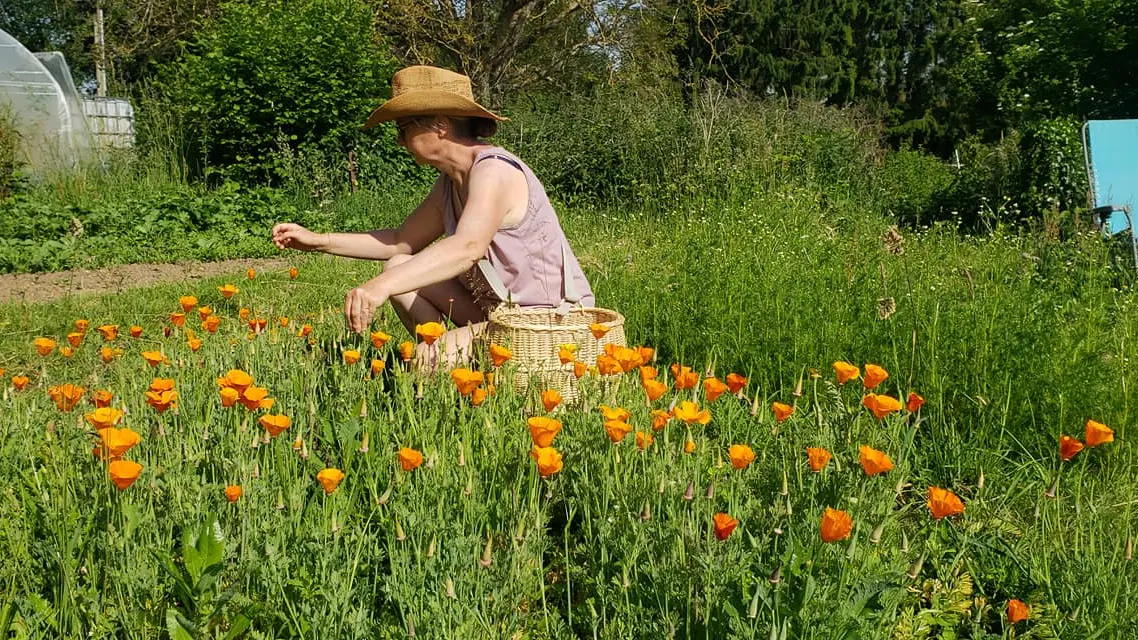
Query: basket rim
point(507, 317)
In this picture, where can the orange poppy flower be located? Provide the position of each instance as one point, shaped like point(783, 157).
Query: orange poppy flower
point(19, 382)
point(880, 405)
point(643, 440)
point(873, 461)
point(684, 377)
point(409, 459)
point(187, 303)
point(104, 417)
point(689, 445)
point(914, 402)
point(329, 479)
point(229, 396)
point(566, 353)
point(178, 319)
point(735, 383)
point(654, 389)
point(66, 352)
point(135, 331)
point(550, 398)
point(406, 350)
point(305, 331)
point(713, 388)
point(379, 338)
point(628, 358)
point(65, 396)
point(233, 492)
point(162, 400)
point(724, 525)
point(478, 397)
point(250, 273)
point(430, 331)
point(648, 373)
point(124, 473)
point(282, 321)
point(203, 312)
point(608, 365)
point(194, 344)
point(548, 460)
point(836, 525)
point(466, 380)
point(617, 430)
point(845, 371)
point(81, 325)
point(109, 331)
point(161, 384)
point(275, 424)
point(614, 413)
point(254, 397)
point(152, 358)
point(351, 356)
point(1098, 433)
point(44, 346)
point(244, 313)
point(236, 379)
point(1069, 447)
point(107, 354)
point(579, 369)
point(377, 366)
point(116, 442)
point(690, 413)
point(781, 411)
point(499, 354)
point(943, 503)
point(543, 430)
point(257, 325)
point(741, 456)
point(228, 291)
point(660, 419)
point(74, 339)
point(819, 458)
point(599, 330)
point(211, 323)
point(646, 354)
point(102, 398)
point(874, 375)
point(293, 272)
point(1017, 611)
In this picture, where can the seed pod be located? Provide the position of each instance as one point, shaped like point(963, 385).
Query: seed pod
point(431, 548)
point(646, 512)
point(785, 490)
point(915, 569)
point(1129, 548)
point(710, 490)
point(1050, 493)
point(753, 608)
point(980, 481)
point(875, 536)
point(448, 587)
point(384, 497)
point(690, 493)
point(776, 576)
point(399, 535)
point(364, 443)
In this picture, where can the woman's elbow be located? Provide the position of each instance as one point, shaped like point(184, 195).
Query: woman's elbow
point(470, 252)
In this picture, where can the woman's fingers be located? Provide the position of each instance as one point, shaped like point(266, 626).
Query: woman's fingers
point(358, 310)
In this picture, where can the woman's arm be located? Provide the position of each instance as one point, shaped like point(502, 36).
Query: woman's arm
point(494, 194)
point(419, 229)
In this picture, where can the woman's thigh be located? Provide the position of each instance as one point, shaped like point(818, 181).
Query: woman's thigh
point(454, 301)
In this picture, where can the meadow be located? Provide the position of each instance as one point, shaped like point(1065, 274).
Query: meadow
point(1013, 339)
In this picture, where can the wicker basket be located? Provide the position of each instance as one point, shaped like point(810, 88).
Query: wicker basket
point(534, 335)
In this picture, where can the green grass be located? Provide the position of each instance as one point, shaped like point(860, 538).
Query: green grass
point(1012, 338)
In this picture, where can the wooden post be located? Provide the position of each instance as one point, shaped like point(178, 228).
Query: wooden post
point(352, 175)
point(100, 54)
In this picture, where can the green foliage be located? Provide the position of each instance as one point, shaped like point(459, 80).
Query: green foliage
point(267, 76)
point(10, 179)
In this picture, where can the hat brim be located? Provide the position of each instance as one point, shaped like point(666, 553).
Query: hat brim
point(429, 102)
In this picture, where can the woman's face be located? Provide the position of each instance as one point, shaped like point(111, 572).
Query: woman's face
point(409, 135)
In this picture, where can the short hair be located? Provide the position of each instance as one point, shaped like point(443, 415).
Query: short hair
point(473, 128)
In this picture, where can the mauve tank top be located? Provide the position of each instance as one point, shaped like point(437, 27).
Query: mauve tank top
point(531, 260)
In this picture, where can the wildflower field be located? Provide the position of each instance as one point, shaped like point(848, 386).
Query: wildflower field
point(821, 428)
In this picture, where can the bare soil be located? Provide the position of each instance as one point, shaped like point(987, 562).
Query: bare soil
point(45, 287)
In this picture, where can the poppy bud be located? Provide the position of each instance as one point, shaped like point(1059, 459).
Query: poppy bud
point(487, 553)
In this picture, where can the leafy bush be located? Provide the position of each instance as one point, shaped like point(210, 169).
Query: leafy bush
point(302, 75)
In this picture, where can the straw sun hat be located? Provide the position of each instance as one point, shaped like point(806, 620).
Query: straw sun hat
point(423, 90)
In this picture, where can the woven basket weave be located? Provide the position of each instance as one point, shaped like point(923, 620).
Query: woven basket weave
point(535, 334)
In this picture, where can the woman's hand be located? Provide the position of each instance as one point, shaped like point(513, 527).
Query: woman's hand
point(289, 235)
point(360, 305)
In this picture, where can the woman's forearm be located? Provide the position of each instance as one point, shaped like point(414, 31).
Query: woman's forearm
point(380, 244)
point(441, 261)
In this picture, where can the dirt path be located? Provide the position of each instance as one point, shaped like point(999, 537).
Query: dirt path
point(45, 287)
